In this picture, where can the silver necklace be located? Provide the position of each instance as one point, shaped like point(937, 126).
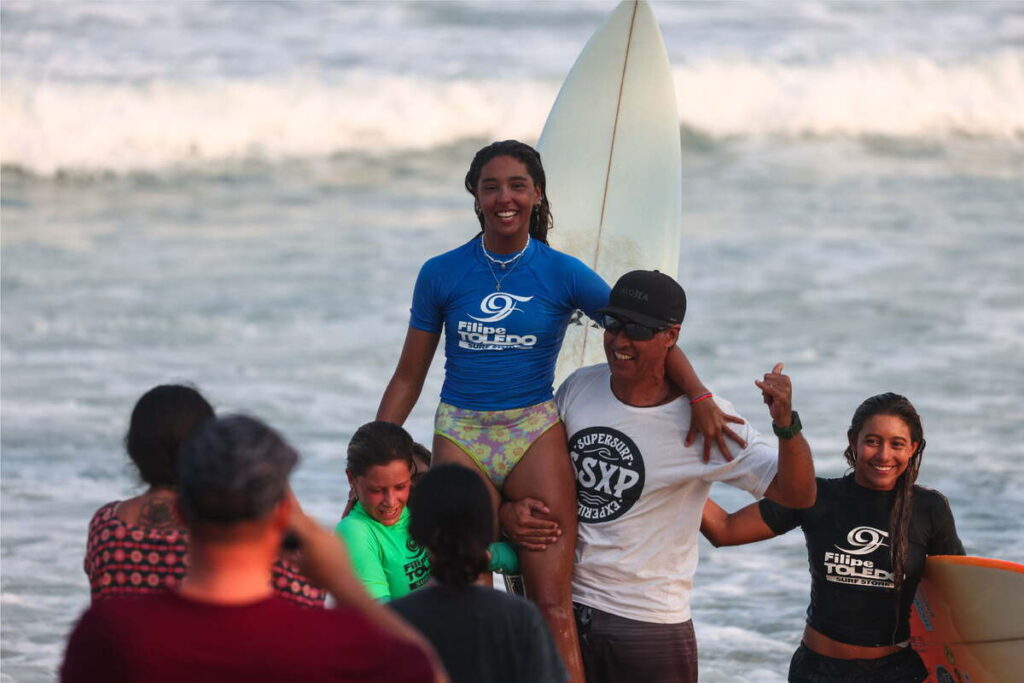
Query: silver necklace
point(514, 261)
point(504, 264)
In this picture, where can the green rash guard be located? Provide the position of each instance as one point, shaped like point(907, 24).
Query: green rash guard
point(386, 560)
point(389, 563)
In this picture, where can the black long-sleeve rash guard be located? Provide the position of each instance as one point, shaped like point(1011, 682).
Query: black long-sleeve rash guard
point(853, 597)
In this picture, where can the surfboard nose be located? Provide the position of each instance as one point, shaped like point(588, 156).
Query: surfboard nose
point(612, 157)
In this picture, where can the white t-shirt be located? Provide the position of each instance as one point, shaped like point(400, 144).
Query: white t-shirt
point(640, 493)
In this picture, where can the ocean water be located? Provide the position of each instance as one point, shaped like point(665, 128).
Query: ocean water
point(239, 195)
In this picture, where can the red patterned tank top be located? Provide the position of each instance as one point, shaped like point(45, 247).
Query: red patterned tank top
point(122, 558)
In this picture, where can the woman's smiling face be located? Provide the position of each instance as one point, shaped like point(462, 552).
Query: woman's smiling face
point(506, 195)
point(883, 449)
point(384, 490)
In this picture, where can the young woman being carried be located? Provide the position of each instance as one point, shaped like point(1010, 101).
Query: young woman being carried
point(504, 300)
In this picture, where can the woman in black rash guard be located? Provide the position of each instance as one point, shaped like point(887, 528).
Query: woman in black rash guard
point(867, 535)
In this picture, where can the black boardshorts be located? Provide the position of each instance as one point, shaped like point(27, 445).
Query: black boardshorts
point(905, 666)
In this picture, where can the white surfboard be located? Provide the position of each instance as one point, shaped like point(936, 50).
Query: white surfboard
point(611, 154)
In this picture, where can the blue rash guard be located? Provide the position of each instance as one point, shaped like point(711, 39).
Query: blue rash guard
point(501, 345)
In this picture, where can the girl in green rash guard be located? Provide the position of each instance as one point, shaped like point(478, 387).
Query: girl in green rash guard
point(380, 468)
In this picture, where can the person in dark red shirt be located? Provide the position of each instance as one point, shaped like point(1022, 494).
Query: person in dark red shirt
point(224, 622)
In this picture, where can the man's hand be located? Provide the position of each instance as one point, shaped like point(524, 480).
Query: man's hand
point(324, 559)
point(777, 391)
point(528, 523)
point(325, 562)
point(794, 485)
point(708, 419)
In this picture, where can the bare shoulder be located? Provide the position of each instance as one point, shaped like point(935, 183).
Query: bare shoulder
point(155, 511)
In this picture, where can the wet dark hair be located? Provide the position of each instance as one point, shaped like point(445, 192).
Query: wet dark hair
point(899, 516)
point(422, 454)
point(163, 418)
point(450, 515)
point(540, 218)
point(233, 469)
point(379, 443)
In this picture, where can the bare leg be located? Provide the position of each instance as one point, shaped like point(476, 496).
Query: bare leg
point(446, 453)
point(546, 473)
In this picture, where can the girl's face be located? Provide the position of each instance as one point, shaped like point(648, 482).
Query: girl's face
point(384, 490)
point(506, 195)
point(883, 449)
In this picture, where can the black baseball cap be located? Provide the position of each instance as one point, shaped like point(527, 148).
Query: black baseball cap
point(647, 297)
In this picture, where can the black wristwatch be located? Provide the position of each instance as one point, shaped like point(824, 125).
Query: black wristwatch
point(792, 430)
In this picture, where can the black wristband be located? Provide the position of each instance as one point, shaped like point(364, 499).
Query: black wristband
point(792, 430)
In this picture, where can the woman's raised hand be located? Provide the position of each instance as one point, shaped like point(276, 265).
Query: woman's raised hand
point(712, 422)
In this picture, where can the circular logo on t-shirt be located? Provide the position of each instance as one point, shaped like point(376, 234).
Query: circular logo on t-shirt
point(609, 473)
point(411, 545)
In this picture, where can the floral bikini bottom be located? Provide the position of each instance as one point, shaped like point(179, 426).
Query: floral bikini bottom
point(496, 440)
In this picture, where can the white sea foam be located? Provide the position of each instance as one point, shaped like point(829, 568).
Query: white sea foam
point(737, 637)
point(117, 127)
point(52, 126)
point(900, 97)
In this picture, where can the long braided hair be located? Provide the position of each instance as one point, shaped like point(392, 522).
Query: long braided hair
point(899, 515)
point(540, 218)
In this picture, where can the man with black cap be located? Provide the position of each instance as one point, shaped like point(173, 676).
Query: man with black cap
point(640, 490)
point(224, 623)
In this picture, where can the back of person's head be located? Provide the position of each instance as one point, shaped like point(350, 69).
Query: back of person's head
point(451, 516)
point(379, 443)
point(163, 418)
point(233, 469)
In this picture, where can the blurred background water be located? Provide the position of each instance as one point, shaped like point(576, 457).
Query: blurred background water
point(239, 195)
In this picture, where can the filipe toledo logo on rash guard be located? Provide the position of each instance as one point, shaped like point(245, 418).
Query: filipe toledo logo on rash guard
point(609, 473)
point(850, 566)
point(497, 306)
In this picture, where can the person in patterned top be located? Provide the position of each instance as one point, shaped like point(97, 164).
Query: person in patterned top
point(224, 622)
point(139, 545)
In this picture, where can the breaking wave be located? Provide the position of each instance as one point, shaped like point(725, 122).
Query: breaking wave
point(50, 127)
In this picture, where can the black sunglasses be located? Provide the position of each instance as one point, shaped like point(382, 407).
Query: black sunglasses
point(634, 331)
